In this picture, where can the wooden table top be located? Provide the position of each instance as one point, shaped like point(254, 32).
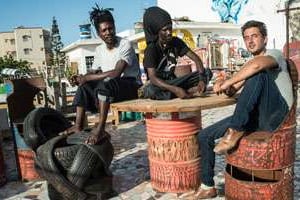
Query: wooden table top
point(174, 105)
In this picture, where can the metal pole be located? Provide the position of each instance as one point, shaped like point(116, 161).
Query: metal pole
point(287, 14)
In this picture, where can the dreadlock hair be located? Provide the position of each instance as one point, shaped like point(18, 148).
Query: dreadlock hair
point(99, 15)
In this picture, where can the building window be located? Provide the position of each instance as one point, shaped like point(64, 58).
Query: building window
point(6, 40)
point(27, 51)
point(89, 62)
point(41, 36)
point(26, 37)
point(11, 53)
point(14, 53)
point(42, 49)
point(12, 41)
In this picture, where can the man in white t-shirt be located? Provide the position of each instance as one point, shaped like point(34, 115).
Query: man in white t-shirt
point(115, 76)
point(265, 100)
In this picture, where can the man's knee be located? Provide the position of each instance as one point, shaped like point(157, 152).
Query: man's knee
point(105, 98)
point(259, 77)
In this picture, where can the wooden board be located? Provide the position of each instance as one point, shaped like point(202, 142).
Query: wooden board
point(174, 105)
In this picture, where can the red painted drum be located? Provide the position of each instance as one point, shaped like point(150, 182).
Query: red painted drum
point(173, 151)
point(262, 165)
point(281, 189)
point(26, 164)
point(25, 156)
point(2, 169)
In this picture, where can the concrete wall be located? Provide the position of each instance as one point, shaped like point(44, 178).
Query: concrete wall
point(78, 55)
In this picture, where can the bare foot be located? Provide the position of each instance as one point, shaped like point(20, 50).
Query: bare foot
point(96, 137)
point(193, 90)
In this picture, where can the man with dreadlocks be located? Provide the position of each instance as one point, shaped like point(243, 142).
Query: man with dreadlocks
point(161, 56)
point(116, 75)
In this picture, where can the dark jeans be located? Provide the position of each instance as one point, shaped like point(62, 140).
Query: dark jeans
point(260, 107)
point(187, 81)
point(115, 89)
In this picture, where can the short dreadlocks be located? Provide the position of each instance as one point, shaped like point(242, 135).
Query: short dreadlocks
point(99, 15)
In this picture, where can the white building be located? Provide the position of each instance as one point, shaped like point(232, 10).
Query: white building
point(205, 24)
point(27, 43)
point(80, 54)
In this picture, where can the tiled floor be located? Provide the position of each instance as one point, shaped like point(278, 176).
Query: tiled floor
point(130, 166)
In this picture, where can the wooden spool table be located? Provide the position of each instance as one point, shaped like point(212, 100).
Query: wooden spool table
point(172, 127)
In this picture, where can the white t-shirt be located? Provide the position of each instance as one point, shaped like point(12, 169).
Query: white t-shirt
point(106, 59)
point(281, 76)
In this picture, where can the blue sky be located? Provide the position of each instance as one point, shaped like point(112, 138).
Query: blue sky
point(69, 14)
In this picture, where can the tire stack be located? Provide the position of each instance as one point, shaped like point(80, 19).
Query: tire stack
point(72, 169)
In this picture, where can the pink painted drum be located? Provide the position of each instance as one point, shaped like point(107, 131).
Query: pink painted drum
point(174, 152)
point(172, 126)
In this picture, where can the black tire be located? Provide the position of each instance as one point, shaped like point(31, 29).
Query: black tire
point(104, 149)
point(42, 124)
point(48, 169)
point(83, 165)
point(53, 194)
point(95, 158)
point(65, 156)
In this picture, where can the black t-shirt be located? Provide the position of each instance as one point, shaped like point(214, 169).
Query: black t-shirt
point(164, 59)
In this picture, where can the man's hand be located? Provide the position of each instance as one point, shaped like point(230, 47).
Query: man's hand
point(77, 80)
point(181, 93)
point(217, 86)
point(201, 87)
point(222, 86)
point(73, 80)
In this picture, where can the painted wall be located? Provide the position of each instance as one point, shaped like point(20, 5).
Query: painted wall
point(262, 10)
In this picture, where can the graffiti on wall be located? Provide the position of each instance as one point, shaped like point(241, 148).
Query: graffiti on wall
point(228, 9)
point(295, 24)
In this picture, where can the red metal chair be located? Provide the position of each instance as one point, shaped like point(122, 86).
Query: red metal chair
point(262, 167)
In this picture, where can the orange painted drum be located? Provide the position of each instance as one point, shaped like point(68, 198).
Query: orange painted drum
point(2, 169)
point(174, 152)
point(26, 164)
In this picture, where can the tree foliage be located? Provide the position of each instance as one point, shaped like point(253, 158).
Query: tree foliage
point(57, 56)
point(9, 62)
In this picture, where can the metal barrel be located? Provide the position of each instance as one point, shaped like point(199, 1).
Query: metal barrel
point(262, 167)
point(25, 156)
point(174, 152)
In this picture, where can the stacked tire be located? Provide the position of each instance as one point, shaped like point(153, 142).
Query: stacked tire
point(67, 163)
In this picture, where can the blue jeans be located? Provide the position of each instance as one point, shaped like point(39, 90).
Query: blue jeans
point(260, 107)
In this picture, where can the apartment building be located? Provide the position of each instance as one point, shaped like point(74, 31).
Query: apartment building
point(27, 43)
